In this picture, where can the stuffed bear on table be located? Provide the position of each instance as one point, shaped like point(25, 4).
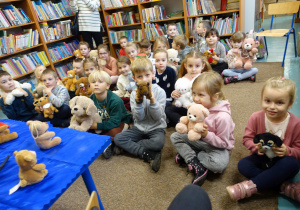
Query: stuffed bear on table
point(5, 134)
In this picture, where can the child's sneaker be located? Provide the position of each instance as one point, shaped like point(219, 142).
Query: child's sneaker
point(228, 80)
point(117, 150)
point(154, 158)
point(199, 171)
point(107, 153)
point(180, 160)
point(252, 78)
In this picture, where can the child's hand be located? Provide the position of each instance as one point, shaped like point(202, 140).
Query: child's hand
point(48, 90)
point(260, 150)
point(152, 99)
point(94, 126)
point(175, 94)
point(204, 131)
point(23, 91)
point(281, 151)
point(215, 57)
point(41, 109)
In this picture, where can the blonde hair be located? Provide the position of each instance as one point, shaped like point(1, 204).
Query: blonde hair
point(103, 46)
point(49, 71)
point(181, 40)
point(160, 51)
point(90, 60)
point(132, 44)
point(35, 71)
point(281, 83)
point(196, 55)
point(123, 37)
point(141, 64)
point(99, 76)
point(212, 82)
point(238, 36)
point(83, 43)
point(145, 43)
point(124, 59)
point(161, 39)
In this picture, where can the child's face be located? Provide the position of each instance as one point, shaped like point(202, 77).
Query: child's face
point(103, 54)
point(161, 61)
point(211, 40)
point(50, 81)
point(201, 30)
point(77, 66)
point(89, 68)
point(194, 66)
point(144, 76)
point(131, 52)
point(236, 45)
point(39, 71)
point(200, 96)
point(161, 45)
point(99, 87)
point(172, 31)
point(123, 68)
point(7, 83)
point(84, 50)
point(147, 51)
point(275, 103)
point(123, 43)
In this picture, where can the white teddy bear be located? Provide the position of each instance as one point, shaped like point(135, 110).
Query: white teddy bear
point(183, 86)
point(172, 55)
point(15, 93)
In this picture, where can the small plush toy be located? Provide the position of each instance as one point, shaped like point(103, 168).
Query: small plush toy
point(84, 113)
point(78, 54)
point(172, 55)
point(268, 141)
point(48, 108)
point(183, 86)
point(249, 49)
point(41, 136)
point(143, 89)
point(193, 122)
point(209, 54)
point(10, 97)
point(30, 172)
point(131, 85)
point(5, 134)
point(83, 87)
point(38, 91)
point(70, 80)
point(94, 54)
point(101, 62)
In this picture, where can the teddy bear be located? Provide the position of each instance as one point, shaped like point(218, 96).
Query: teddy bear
point(83, 87)
point(48, 108)
point(94, 54)
point(143, 89)
point(84, 113)
point(29, 172)
point(193, 122)
point(209, 54)
point(268, 141)
point(70, 80)
point(10, 97)
point(38, 91)
point(78, 54)
point(184, 88)
point(172, 55)
point(41, 136)
point(5, 134)
point(248, 54)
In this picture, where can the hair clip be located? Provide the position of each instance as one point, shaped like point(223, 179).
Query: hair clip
point(283, 78)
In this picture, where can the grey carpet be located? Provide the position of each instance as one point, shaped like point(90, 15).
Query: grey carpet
point(126, 182)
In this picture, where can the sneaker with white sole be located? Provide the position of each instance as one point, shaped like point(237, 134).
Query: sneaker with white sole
point(107, 153)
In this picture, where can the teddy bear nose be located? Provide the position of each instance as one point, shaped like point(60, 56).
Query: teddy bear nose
point(75, 109)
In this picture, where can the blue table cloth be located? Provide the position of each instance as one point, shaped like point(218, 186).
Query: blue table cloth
point(65, 163)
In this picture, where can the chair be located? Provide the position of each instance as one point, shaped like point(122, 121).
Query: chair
point(278, 9)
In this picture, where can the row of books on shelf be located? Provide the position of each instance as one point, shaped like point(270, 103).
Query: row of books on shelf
point(23, 64)
point(153, 30)
point(14, 42)
point(122, 18)
point(49, 10)
point(132, 35)
point(198, 7)
point(154, 13)
point(32, 80)
point(63, 50)
point(58, 30)
point(11, 16)
point(108, 4)
point(225, 25)
point(63, 68)
point(226, 44)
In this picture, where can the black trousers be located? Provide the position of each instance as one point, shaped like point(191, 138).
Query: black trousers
point(88, 36)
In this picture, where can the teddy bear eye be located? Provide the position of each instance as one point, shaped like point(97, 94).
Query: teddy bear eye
point(194, 115)
point(83, 108)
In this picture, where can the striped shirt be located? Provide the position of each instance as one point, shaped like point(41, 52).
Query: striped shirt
point(88, 17)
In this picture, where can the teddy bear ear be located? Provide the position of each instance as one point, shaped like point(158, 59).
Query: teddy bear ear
point(29, 122)
point(189, 106)
point(73, 101)
point(15, 153)
point(256, 138)
point(205, 112)
point(91, 109)
point(28, 158)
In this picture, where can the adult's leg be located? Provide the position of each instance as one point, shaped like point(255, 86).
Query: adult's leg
point(154, 141)
point(97, 36)
point(87, 36)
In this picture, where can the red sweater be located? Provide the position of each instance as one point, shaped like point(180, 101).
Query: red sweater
point(256, 125)
point(122, 52)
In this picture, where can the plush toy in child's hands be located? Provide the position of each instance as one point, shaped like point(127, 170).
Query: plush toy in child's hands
point(70, 80)
point(10, 97)
point(5, 134)
point(143, 89)
point(38, 91)
point(193, 122)
point(172, 55)
point(184, 88)
point(83, 87)
point(48, 108)
point(42, 137)
point(249, 49)
point(78, 54)
point(209, 54)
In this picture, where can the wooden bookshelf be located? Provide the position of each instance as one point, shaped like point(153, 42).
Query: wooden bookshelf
point(17, 26)
point(55, 19)
point(117, 8)
point(19, 51)
point(57, 40)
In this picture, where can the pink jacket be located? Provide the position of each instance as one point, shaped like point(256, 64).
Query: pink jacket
point(111, 67)
point(220, 126)
point(256, 125)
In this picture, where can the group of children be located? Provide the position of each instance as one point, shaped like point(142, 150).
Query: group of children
point(152, 115)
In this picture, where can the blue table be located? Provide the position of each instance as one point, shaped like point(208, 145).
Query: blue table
point(65, 163)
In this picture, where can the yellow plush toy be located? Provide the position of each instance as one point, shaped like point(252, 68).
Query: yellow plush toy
point(78, 54)
point(5, 134)
point(48, 108)
point(30, 172)
point(70, 81)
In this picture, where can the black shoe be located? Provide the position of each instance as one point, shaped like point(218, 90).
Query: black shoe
point(252, 78)
point(107, 153)
point(154, 158)
point(180, 160)
point(228, 80)
point(199, 171)
point(117, 150)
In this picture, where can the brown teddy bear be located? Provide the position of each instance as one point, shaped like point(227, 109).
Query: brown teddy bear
point(248, 54)
point(70, 80)
point(143, 89)
point(83, 87)
point(41, 136)
point(209, 54)
point(5, 134)
point(78, 54)
point(30, 172)
point(48, 108)
point(84, 113)
point(38, 91)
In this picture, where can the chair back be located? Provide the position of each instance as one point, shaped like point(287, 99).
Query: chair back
point(283, 8)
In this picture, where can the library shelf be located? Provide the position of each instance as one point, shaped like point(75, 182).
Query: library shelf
point(10, 27)
point(63, 59)
point(215, 13)
point(134, 24)
point(219, 35)
point(60, 39)
point(131, 5)
point(29, 48)
point(30, 72)
point(68, 16)
point(167, 19)
point(9, 1)
point(147, 2)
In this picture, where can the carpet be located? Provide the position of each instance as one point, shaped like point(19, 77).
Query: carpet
point(126, 182)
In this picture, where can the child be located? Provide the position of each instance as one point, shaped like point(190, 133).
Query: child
point(277, 96)
point(132, 50)
point(212, 42)
point(90, 65)
point(212, 151)
point(145, 47)
point(84, 49)
point(123, 43)
point(22, 108)
point(147, 137)
point(234, 74)
point(58, 97)
point(165, 75)
point(111, 63)
point(78, 67)
point(180, 44)
point(110, 107)
point(193, 65)
point(38, 72)
point(161, 42)
point(199, 34)
point(171, 32)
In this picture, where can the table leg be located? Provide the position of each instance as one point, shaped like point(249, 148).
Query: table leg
point(90, 185)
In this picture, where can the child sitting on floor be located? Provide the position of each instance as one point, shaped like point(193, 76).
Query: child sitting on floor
point(90, 65)
point(199, 34)
point(132, 50)
point(145, 47)
point(78, 67)
point(180, 43)
point(161, 42)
